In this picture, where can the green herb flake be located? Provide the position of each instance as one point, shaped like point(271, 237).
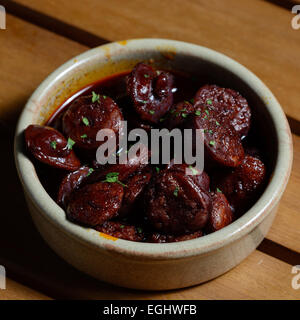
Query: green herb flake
point(83, 136)
point(91, 170)
point(104, 97)
point(184, 115)
point(144, 101)
point(151, 112)
point(139, 229)
point(176, 192)
point(207, 112)
point(217, 123)
point(205, 117)
point(212, 142)
point(53, 144)
point(218, 190)
point(172, 111)
point(209, 101)
point(157, 169)
point(113, 177)
point(198, 113)
point(210, 131)
point(95, 97)
point(122, 226)
point(194, 171)
point(146, 76)
point(161, 119)
point(70, 144)
point(85, 120)
point(192, 101)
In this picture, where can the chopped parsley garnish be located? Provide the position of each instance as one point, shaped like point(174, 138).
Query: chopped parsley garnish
point(172, 111)
point(53, 144)
point(193, 101)
point(207, 112)
point(139, 229)
point(161, 119)
point(85, 121)
point(194, 171)
point(95, 97)
point(122, 226)
point(146, 75)
point(91, 170)
point(217, 123)
point(144, 101)
point(208, 101)
point(205, 117)
point(218, 190)
point(210, 131)
point(104, 97)
point(212, 142)
point(113, 177)
point(184, 115)
point(176, 192)
point(198, 113)
point(151, 112)
point(83, 136)
point(70, 144)
point(157, 169)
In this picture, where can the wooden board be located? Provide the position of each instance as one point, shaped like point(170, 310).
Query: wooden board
point(23, 252)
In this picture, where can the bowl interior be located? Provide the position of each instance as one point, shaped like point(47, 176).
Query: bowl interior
point(269, 123)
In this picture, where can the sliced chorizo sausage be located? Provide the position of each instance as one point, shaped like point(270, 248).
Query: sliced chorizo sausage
point(150, 92)
point(121, 231)
point(51, 147)
point(135, 185)
point(89, 114)
point(221, 214)
point(230, 106)
point(176, 204)
point(222, 143)
point(93, 204)
point(242, 184)
point(71, 182)
point(178, 114)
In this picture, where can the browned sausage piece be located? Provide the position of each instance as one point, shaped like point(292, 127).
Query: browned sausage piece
point(150, 92)
point(121, 231)
point(229, 105)
point(164, 238)
point(71, 182)
point(176, 204)
point(89, 114)
point(50, 146)
point(202, 179)
point(222, 143)
point(178, 114)
point(242, 184)
point(221, 214)
point(135, 163)
point(135, 186)
point(95, 203)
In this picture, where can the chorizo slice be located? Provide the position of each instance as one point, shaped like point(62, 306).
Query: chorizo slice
point(165, 238)
point(89, 114)
point(176, 204)
point(150, 92)
point(71, 182)
point(243, 184)
point(178, 114)
point(135, 185)
point(221, 214)
point(134, 164)
point(51, 147)
point(121, 231)
point(200, 178)
point(93, 204)
point(230, 107)
point(222, 143)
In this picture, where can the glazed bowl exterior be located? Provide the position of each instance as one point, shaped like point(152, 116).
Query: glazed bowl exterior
point(146, 265)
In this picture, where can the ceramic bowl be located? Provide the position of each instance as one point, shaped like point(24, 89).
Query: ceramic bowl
point(146, 265)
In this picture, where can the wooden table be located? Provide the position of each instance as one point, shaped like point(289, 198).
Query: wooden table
point(41, 35)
